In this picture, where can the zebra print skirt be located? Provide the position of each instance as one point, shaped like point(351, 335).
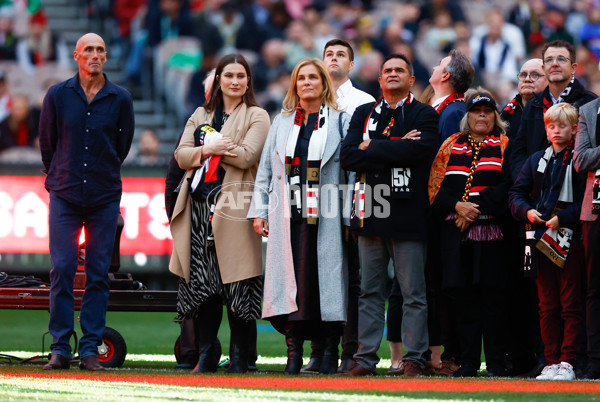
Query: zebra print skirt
point(242, 297)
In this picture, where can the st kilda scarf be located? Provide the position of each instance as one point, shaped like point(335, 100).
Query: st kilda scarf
point(316, 146)
point(205, 181)
point(400, 185)
point(455, 97)
point(473, 166)
point(555, 244)
point(512, 105)
point(563, 97)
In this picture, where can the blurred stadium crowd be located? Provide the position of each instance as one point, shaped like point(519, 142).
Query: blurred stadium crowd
point(161, 50)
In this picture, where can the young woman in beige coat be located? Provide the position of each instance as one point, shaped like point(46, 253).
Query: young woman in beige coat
point(216, 252)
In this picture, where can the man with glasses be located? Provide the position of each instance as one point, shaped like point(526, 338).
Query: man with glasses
point(532, 80)
point(559, 67)
point(524, 339)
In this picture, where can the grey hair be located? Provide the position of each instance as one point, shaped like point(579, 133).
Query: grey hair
point(461, 71)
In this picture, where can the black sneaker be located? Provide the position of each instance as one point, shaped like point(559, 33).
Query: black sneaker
point(464, 371)
point(592, 372)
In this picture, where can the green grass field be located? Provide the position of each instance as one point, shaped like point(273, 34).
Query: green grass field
point(150, 339)
point(144, 333)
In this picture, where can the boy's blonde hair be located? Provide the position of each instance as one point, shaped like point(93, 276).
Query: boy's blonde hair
point(561, 112)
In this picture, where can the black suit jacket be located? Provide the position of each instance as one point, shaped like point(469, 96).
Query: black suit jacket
point(401, 218)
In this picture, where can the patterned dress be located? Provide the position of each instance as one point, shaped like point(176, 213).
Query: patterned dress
point(242, 297)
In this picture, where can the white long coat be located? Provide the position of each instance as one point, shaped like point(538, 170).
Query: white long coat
point(271, 201)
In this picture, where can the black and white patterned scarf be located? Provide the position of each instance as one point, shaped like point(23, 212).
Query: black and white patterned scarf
point(316, 147)
point(563, 97)
point(400, 185)
point(554, 244)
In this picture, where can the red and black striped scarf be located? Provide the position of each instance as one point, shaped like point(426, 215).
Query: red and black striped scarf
point(474, 170)
point(455, 97)
point(512, 106)
point(476, 166)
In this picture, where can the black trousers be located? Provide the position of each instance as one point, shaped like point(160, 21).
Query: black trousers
point(480, 313)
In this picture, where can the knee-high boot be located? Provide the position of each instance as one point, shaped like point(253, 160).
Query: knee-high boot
point(208, 321)
point(329, 364)
point(294, 352)
point(240, 343)
point(252, 352)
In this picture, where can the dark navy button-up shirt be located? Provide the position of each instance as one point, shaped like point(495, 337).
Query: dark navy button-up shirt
point(84, 144)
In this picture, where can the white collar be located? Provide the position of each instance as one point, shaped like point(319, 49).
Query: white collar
point(439, 101)
point(399, 104)
point(344, 89)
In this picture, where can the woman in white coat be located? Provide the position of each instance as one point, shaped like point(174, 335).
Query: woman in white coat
point(298, 204)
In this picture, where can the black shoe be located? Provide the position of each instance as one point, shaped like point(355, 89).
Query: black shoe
point(313, 366)
point(185, 365)
point(239, 360)
point(493, 371)
point(592, 372)
point(534, 372)
point(206, 360)
point(346, 365)
point(330, 363)
point(464, 371)
point(331, 355)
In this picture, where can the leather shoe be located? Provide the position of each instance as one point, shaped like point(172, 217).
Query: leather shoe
point(396, 370)
point(359, 371)
point(412, 369)
point(346, 365)
point(313, 366)
point(430, 369)
point(448, 368)
point(57, 362)
point(90, 363)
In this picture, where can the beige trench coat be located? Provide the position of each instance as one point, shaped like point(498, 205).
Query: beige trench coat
point(239, 248)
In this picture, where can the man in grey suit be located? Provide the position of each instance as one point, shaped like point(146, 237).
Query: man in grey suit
point(587, 159)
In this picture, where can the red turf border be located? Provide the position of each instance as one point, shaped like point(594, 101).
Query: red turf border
point(331, 383)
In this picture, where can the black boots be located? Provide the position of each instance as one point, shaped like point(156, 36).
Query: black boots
point(207, 362)
point(316, 357)
point(206, 327)
point(329, 363)
point(241, 332)
point(294, 352)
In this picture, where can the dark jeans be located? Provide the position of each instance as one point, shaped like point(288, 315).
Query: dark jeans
point(561, 318)
point(65, 223)
point(591, 246)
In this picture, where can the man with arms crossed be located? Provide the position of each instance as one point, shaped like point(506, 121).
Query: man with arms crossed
point(390, 209)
